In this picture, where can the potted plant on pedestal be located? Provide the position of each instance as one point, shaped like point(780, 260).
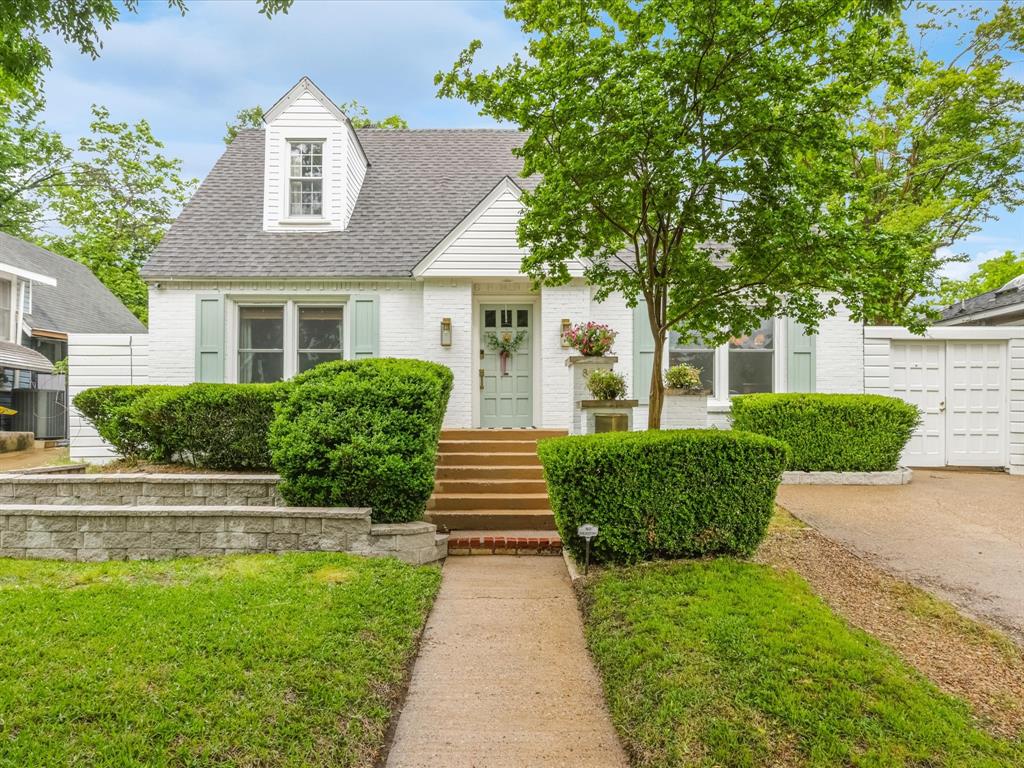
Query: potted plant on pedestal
point(686, 399)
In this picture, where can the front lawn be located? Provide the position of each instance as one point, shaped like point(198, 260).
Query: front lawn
point(257, 660)
point(725, 663)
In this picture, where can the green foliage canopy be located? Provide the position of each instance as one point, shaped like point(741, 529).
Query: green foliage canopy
point(694, 155)
point(990, 275)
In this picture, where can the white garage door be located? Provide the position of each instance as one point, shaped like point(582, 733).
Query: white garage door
point(960, 388)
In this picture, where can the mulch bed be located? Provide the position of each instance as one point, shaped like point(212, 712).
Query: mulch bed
point(122, 466)
point(959, 655)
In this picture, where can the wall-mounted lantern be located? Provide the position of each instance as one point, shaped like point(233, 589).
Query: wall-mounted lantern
point(446, 331)
point(566, 325)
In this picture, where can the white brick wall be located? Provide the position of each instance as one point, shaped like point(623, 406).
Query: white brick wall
point(555, 378)
point(839, 350)
point(401, 317)
point(172, 336)
point(454, 299)
point(97, 359)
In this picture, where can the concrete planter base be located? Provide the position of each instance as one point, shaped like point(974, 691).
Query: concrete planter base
point(900, 476)
point(684, 410)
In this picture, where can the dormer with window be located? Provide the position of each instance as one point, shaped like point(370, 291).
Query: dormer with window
point(314, 165)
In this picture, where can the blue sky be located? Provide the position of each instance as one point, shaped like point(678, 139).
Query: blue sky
point(188, 76)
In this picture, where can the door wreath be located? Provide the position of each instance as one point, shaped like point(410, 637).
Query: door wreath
point(505, 345)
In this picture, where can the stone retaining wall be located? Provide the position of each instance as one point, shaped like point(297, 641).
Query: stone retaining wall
point(143, 489)
point(114, 516)
point(900, 476)
point(109, 532)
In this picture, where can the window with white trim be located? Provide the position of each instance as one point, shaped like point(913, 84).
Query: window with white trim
point(744, 365)
point(6, 303)
point(26, 299)
point(306, 178)
point(277, 341)
point(319, 336)
point(752, 361)
point(260, 344)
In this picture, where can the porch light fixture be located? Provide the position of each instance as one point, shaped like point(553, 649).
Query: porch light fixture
point(446, 331)
point(566, 325)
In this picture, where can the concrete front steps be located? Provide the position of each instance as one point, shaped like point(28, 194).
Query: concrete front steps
point(491, 480)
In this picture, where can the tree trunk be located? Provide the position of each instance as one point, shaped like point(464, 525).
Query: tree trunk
point(657, 393)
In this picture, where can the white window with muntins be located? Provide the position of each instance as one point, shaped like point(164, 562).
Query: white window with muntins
point(278, 341)
point(306, 179)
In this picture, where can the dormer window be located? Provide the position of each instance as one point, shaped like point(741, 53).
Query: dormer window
point(306, 179)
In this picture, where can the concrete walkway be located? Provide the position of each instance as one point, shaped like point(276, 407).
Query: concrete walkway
point(957, 534)
point(503, 677)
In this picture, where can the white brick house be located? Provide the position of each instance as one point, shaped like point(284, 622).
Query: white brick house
point(311, 240)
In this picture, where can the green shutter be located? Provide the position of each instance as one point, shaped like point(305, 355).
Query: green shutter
point(801, 356)
point(365, 326)
point(209, 339)
point(643, 354)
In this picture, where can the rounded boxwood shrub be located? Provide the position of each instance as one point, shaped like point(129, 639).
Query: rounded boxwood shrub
point(679, 493)
point(214, 426)
point(362, 433)
point(831, 433)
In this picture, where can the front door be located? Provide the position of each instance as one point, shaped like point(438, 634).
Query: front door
point(506, 365)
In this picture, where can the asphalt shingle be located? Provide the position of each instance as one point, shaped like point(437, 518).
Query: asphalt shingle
point(79, 303)
point(420, 185)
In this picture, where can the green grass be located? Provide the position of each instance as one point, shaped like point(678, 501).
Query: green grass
point(259, 660)
point(725, 663)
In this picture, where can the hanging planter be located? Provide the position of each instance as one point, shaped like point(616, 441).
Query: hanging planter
point(506, 345)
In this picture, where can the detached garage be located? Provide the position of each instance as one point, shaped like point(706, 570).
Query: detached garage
point(968, 382)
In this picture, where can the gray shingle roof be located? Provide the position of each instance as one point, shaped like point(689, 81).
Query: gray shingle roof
point(420, 185)
point(1001, 298)
point(79, 303)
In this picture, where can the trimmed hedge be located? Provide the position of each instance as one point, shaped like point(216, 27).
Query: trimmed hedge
point(362, 433)
point(681, 493)
point(110, 410)
point(215, 426)
point(831, 433)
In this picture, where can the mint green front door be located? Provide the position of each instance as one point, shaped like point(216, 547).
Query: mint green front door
point(506, 365)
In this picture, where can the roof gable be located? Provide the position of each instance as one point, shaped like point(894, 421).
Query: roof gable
point(304, 86)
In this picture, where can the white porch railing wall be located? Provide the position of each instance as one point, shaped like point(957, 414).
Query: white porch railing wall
point(97, 359)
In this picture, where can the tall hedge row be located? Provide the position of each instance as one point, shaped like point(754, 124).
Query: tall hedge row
point(362, 434)
point(215, 426)
point(831, 433)
point(684, 493)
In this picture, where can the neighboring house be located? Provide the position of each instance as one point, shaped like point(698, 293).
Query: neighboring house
point(43, 298)
point(1003, 306)
point(311, 241)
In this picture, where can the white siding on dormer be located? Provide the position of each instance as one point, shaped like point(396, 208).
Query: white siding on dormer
point(306, 119)
point(484, 244)
point(355, 171)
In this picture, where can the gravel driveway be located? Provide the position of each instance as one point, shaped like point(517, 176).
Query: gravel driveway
point(959, 535)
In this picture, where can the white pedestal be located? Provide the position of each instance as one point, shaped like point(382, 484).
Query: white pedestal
point(594, 411)
point(581, 369)
point(684, 410)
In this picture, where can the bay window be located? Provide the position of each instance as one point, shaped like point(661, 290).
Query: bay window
point(277, 341)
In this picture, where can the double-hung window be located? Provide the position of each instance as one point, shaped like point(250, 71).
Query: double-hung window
point(752, 361)
point(277, 341)
point(306, 178)
point(6, 291)
point(319, 336)
point(695, 354)
point(260, 344)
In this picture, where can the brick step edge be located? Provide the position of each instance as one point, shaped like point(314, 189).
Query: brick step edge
point(503, 545)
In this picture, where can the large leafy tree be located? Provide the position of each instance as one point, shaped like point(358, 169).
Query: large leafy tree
point(695, 154)
point(358, 114)
point(32, 160)
point(991, 274)
point(115, 202)
point(24, 54)
point(940, 149)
